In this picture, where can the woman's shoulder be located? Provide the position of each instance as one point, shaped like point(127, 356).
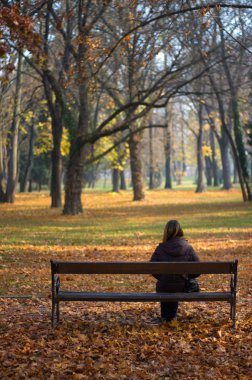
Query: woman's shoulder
point(159, 246)
point(185, 241)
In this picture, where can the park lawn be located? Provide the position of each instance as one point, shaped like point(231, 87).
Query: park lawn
point(117, 340)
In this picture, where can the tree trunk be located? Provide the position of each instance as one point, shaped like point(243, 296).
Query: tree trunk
point(2, 171)
point(74, 173)
point(136, 166)
point(91, 179)
point(13, 141)
point(104, 178)
point(73, 186)
point(78, 151)
point(225, 159)
point(201, 184)
point(30, 186)
point(115, 180)
point(251, 168)
point(209, 170)
point(24, 183)
point(235, 176)
point(223, 140)
point(56, 175)
point(157, 178)
point(122, 180)
point(214, 161)
point(168, 150)
point(238, 132)
point(57, 129)
point(168, 175)
point(151, 163)
point(183, 150)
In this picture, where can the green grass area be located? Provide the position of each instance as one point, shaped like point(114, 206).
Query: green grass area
point(114, 219)
point(188, 183)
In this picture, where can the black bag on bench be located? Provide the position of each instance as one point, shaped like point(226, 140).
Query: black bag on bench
point(191, 285)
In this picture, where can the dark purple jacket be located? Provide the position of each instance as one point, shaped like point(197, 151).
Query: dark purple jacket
point(174, 250)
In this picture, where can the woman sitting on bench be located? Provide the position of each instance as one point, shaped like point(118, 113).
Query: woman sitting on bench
point(174, 248)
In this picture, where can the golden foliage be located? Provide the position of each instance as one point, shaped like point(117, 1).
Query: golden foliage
point(206, 151)
point(44, 143)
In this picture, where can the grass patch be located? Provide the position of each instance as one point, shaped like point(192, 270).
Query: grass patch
point(114, 219)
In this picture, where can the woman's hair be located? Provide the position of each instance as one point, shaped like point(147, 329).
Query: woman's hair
point(172, 230)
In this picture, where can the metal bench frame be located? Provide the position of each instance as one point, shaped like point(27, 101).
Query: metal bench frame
point(66, 267)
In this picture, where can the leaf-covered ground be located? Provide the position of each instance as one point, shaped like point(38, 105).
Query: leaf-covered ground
point(118, 340)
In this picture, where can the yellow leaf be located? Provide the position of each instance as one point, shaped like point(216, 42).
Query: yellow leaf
point(173, 323)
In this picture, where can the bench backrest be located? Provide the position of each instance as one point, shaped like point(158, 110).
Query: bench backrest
point(68, 267)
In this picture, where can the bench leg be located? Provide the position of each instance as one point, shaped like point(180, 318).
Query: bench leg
point(53, 312)
point(234, 315)
point(57, 312)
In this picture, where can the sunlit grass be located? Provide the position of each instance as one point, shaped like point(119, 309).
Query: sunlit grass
point(110, 218)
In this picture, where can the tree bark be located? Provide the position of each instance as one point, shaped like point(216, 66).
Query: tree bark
point(74, 173)
point(24, 183)
point(151, 163)
point(168, 151)
point(2, 171)
point(57, 130)
point(73, 186)
point(209, 170)
point(225, 160)
point(235, 176)
point(201, 184)
point(55, 107)
point(78, 151)
point(56, 173)
point(214, 161)
point(115, 180)
point(136, 166)
point(122, 180)
point(183, 150)
point(168, 176)
point(251, 169)
point(30, 186)
point(13, 140)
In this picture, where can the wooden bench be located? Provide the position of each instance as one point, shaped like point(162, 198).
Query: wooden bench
point(66, 267)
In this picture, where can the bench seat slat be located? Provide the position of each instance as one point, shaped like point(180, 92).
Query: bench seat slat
point(68, 267)
point(143, 297)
